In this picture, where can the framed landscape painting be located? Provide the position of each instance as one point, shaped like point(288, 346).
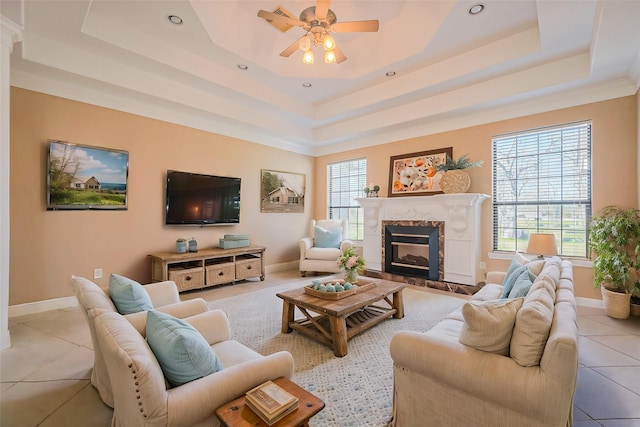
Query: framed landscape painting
point(85, 177)
point(281, 192)
point(416, 174)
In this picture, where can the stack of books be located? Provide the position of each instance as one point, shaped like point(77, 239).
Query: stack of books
point(271, 402)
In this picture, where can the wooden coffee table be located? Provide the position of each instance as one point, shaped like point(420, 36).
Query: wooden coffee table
point(237, 414)
point(337, 321)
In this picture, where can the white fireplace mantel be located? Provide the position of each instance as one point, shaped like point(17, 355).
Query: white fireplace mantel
point(460, 214)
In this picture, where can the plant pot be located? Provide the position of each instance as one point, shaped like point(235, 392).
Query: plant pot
point(455, 181)
point(635, 307)
point(616, 304)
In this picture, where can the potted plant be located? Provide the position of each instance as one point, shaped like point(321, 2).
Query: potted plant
point(371, 192)
point(615, 240)
point(455, 179)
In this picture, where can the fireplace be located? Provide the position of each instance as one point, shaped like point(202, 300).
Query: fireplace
point(412, 248)
point(457, 218)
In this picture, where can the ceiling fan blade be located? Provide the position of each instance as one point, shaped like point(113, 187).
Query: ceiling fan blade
point(270, 16)
point(356, 26)
point(294, 46)
point(340, 56)
point(322, 7)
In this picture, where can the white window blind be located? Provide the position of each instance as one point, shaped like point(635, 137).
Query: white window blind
point(345, 182)
point(542, 184)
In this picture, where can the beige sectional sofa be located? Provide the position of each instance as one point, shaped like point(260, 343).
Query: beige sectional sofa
point(438, 381)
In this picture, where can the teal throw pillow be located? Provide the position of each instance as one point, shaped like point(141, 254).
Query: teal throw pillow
point(128, 295)
point(327, 238)
point(515, 269)
point(522, 284)
point(182, 352)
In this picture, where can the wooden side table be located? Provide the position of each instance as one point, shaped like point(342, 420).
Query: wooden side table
point(237, 414)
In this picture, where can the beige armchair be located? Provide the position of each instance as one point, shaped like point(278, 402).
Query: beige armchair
point(141, 395)
point(163, 295)
point(314, 253)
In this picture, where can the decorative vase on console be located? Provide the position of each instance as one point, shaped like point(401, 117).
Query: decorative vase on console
point(181, 246)
point(352, 264)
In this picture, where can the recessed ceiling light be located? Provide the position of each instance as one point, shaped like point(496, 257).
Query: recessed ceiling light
point(476, 9)
point(174, 19)
point(390, 73)
point(243, 67)
point(306, 84)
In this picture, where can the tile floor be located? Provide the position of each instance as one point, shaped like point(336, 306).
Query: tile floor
point(45, 374)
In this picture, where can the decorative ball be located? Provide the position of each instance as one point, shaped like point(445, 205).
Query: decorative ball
point(322, 288)
point(316, 282)
point(347, 286)
point(330, 288)
point(339, 288)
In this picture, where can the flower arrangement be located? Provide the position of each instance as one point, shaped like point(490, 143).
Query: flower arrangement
point(351, 263)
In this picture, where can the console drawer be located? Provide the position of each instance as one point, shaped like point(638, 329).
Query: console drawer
point(217, 274)
point(249, 267)
point(187, 278)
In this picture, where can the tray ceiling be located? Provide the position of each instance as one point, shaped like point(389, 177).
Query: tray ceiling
point(451, 69)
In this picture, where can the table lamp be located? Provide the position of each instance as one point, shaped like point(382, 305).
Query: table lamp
point(542, 244)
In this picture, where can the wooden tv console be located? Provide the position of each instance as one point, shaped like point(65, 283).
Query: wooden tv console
point(208, 267)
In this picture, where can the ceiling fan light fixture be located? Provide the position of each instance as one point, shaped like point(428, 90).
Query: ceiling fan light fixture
point(329, 43)
point(330, 57)
point(305, 44)
point(307, 58)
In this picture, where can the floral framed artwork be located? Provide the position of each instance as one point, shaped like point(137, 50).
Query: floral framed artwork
point(281, 192)
point(416, 174)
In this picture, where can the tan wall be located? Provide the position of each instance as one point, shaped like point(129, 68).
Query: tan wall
point(614, 153)
point(46, 247)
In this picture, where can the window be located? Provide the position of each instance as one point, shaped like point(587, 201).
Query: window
point(345, 182)
point(542, 184)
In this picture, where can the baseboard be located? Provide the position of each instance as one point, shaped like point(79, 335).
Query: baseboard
point(40, 306)
point(589, 302)
point(283, 266)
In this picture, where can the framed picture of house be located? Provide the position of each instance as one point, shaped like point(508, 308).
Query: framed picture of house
point(85, 177)
point(281, 192)
point(416, 174)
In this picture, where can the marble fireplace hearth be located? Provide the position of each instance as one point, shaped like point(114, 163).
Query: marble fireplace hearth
point(458, 217)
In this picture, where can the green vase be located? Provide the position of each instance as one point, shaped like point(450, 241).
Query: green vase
point(351, 275)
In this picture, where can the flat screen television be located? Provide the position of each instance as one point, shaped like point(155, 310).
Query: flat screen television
point(200, 199)
point(85, 177)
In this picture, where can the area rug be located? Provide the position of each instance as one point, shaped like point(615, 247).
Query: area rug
point(357, 389)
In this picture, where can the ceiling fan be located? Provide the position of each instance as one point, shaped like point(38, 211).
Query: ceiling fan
point(318, 22)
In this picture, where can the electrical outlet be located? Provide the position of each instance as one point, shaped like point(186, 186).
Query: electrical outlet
point(97, 273)
point(483, 265)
